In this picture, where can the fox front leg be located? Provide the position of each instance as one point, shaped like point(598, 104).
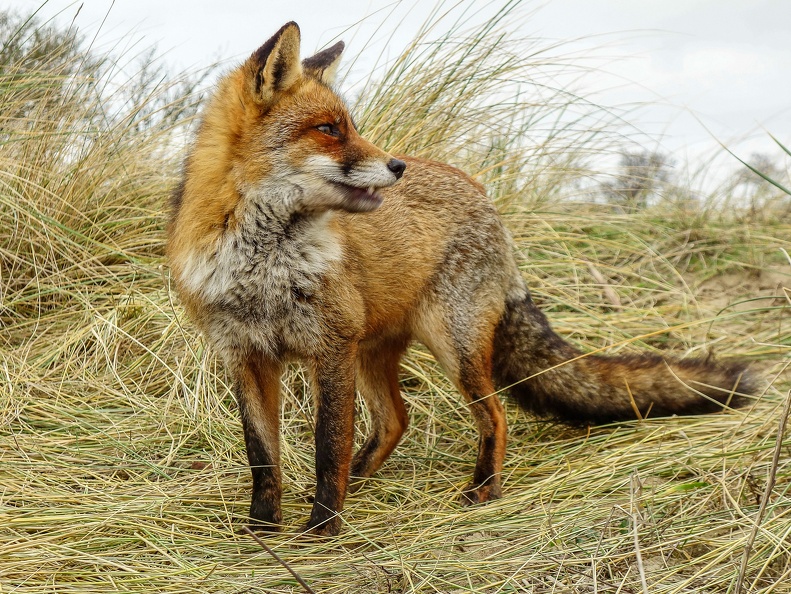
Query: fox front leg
point(334, 383)
point(258, 394)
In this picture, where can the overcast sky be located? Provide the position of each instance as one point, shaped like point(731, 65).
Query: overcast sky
point(726, 63)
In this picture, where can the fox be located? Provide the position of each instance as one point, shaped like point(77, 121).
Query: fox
point(291, 238)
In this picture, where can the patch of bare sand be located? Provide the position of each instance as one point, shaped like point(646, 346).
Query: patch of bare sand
point(740, 289)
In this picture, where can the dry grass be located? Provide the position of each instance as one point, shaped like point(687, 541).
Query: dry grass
point(122, 465)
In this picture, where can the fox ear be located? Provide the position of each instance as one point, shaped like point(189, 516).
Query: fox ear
point(324, 65)
point(275, 65)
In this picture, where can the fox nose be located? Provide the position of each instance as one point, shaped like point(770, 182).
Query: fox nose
point(397, 167)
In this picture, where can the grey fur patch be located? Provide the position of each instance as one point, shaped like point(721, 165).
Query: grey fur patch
point(264, 280)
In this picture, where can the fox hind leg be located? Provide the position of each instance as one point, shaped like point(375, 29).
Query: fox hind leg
point(465, 352)
point(475, 384)
point(377, 381)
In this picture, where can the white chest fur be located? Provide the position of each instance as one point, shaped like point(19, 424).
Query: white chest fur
point(261, 281)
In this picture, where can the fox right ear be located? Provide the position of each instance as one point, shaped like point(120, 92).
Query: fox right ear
point(324, 65)
point(274, 66)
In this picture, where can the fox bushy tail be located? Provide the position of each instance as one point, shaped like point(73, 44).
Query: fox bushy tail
point(601, 389)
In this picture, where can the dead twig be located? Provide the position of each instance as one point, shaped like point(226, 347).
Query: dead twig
point(279, 560)
point(634, 486)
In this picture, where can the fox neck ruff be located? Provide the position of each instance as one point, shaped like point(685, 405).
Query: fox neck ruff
point(265, 274)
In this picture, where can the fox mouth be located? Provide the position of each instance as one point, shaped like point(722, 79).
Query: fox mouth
point(360, 199)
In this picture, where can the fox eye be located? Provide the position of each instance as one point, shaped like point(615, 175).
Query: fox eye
point(329, 130)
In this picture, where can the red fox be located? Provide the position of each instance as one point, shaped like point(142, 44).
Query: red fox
point(293, 238)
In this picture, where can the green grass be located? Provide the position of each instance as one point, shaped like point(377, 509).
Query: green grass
point(122, 466)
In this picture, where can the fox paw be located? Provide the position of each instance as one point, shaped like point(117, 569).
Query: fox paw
point(473, 494)
point(265, 517)
point(324, 530)
point(323, 521)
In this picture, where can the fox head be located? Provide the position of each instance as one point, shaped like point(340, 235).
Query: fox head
point(285, 127)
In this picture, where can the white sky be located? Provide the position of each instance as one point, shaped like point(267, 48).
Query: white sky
point(726, 61)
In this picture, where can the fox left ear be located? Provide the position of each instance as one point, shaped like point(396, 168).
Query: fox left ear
point(275, 66)
point(324, 65)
